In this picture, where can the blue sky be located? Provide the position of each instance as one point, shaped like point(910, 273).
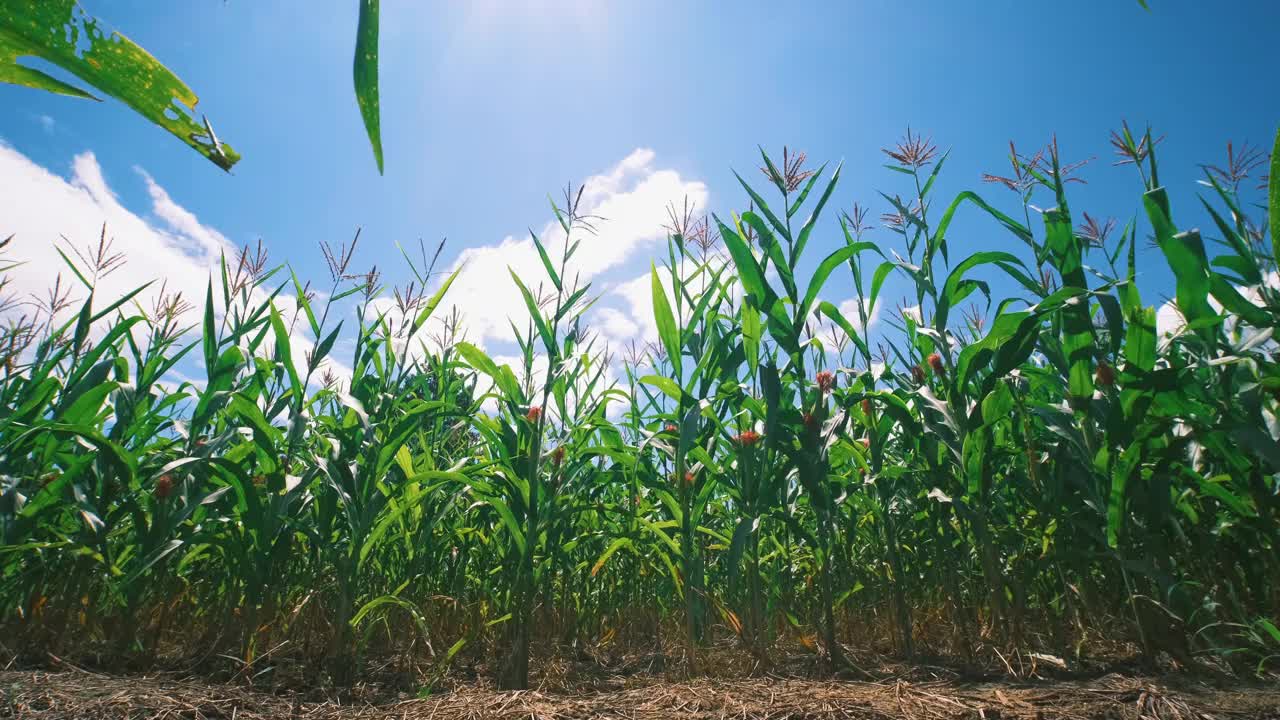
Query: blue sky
point(488, 106)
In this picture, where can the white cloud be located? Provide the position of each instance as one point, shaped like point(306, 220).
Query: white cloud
point(46, 123)
point(168, 242)
point(635, 321)
point(833, 338)
point(40, 208)
point(637, 293)
point(630, 201)
point(849, 309)
point(205, 241)
point(615, 324)
point(1170, 322)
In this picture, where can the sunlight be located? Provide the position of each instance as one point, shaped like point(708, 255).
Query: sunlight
point(556, 358)
point(568, 14)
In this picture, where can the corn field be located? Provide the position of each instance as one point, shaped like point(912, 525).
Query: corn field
point(1043, 474)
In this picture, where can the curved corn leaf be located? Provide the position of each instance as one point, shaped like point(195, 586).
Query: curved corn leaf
point(60, 32)
point(365, 72)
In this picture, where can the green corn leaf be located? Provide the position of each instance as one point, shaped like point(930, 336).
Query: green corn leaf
point(88, 364)
point(1259, 442)
point(60, 32)
point(535, 313)
point(771, 388)
point(393, 601)
point(1013, 226)
point(123, 462)
point(406, 504)
point(365, 72)
point(1215, 487)
point(698, 314)
point(669, 387)
point(395, 438)
point(1273, 193)
point(546, 260)
point(804, 192)
point(36, 399)
point(690, 426)
point(974, 452)
point(614, 547)
point(823, 271)
point(1120, 477)
point(84, 321)
point(1249, 273)
point(1077, 327)
point(763, 206)
point(477, 359)
point(933, 175)
point(1231, 299)
point(803, 238)
point(120, 302)
point(1270, 628)
point(502, 376)
point(209, 337)
point(1185, 254)
point(877, 282)
point(508, 520)
point(284, 352)
point(322, 348)
point(750, 274)
point(74, 270)
point(772, 252)
point(737, 547)
point(834, 315)
point(668, 331)
point(658, 531)
point(1114, 314)
point(304, 303)
point(425, 313)
point(998, 404)
point(752, 334)
point(1010, 334)
point(955, 289)
point(84, 409)
point(150, 560)
point(571, 308)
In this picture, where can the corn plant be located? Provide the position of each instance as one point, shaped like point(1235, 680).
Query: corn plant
point(1050, 468)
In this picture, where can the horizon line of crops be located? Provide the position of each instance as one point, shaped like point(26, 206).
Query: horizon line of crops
point(1026, 472)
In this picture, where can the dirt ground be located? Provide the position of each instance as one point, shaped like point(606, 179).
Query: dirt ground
point(84, 694)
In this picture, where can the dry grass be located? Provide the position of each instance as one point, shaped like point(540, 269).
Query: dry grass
point(640, 690)
point(80, 694)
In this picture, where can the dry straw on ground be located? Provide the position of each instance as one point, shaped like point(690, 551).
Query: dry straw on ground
point(80, 694)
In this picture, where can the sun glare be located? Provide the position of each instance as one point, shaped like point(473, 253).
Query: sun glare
point(537, 14)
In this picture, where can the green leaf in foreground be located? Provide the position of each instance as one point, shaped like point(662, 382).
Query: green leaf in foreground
point(1273, 192)
point(668, 332)
point(60, 32)
point(366, 75)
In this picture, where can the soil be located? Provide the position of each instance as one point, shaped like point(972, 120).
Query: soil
point(78, 693)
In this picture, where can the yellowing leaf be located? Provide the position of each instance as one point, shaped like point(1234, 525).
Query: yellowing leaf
point(733, 621)
point(60, 32)
point(405, 460)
